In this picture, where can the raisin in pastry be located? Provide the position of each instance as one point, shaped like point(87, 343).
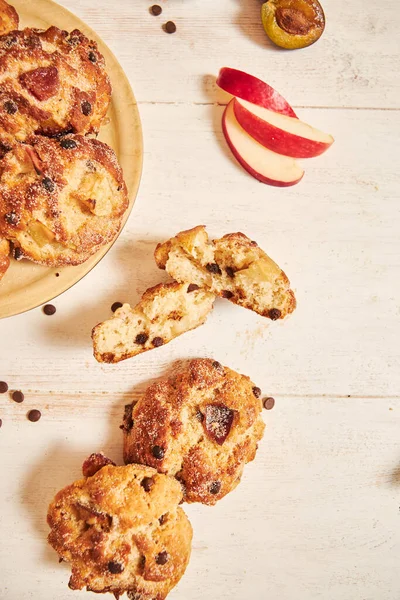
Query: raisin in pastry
point(122, 530)
point(233, 267)
point(201, 426)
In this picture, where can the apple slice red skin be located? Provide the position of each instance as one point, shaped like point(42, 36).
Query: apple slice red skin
point(276, 139)
point(250, 88)
point(247, 167)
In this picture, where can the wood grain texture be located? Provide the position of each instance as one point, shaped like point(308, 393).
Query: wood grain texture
point(317, 515)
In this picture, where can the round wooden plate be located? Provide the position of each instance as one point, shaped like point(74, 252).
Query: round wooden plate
point(26, 285)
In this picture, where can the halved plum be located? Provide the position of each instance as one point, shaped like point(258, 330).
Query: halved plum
point(293, 24)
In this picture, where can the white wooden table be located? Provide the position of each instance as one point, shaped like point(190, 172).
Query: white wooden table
point(317, 514)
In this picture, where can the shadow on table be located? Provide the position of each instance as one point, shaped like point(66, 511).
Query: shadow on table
point(135, 262)
point(61, 464)
point(395, 476)
point(248, 20)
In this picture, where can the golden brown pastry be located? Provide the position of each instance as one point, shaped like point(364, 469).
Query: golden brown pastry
point(122, 531)
point(9, 19)
point(233, 267)
point(4, 257)
point(164, 312)
point(201, 426)
point(51, 82)
point(60, 199)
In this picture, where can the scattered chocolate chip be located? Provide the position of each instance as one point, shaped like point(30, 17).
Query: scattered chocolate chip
point(92, 57)
point(230, 272)
point(256, 391)
point(86, 108)
point(60, 559)
point(170, 27)
point(192, 287)
point(48, 184)
point(162, 519)
point(158, 452)
point(68, 144)
point(18, 396)
point(157, 342)
point(115, 567)
point(156, 10)
point(11, 218)
point(213, 268)
point(199, 416)
point(269, 403)
point(34, 415)
point(162, 558)
point(147, 483)
point(17, 253)
point(57, 274)
point(253, 243)
point(274, 314)
point(10, 107)
point(215, 487)
point(227, 294)
point(49, 309)
point(115, 306)
point(3, 387)
point(141, 338)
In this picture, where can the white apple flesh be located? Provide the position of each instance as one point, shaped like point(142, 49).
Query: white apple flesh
point(281, 133)
point(263, 164)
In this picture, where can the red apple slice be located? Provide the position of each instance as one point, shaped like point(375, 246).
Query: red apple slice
point(245, 86)
point(281, 133)
point(263, 164)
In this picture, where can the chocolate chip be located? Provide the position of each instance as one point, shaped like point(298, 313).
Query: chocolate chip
point(3, 387)
point(158, 452)
point(192, 287)
point(162, 558)
point(141, 338)
point(170, 27)
point(274, 314)
point(157, 342)
point(49, 309)
point(230, 272)
point(86, 108)
point(11, 218)
point(215, 487)
point(68, 144)
point(199, 416)
point(269, 403)
point(147, 483)
point(115, 567)
point(253, 243)
point(18, 396)
point(156, 10)
point(227, 294)
point(115, 306)
point(17, 253)
point(92, 57)
point(57, 274)
point(34, 415)
point(217, 365)
point(10, 107)
point(48, 184)
point(213, 268)
point(162, 519)
point(256, 391)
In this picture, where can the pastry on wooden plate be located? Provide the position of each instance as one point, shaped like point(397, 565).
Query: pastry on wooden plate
point(233, 267)
point(4, 257)
point(60, 199)
point(122, 531)
point(164, 312)
point(9, 19)
point(51, 83)
point(201, 426)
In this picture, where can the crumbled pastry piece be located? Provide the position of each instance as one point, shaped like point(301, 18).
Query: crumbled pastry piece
point(164, 312)
point(51, 83)
point(122, 531)
point(233, 267)
point(4, 257)
point(201, 426)
point(61, 199)
point(9, 18)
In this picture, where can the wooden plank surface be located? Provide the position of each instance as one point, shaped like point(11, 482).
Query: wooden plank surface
point(317, 514)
